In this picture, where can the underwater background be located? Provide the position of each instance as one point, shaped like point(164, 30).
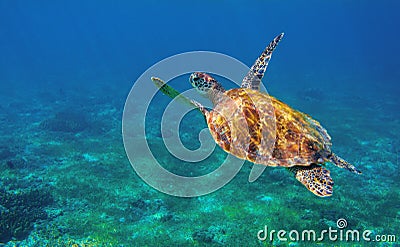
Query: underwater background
point(66, 68)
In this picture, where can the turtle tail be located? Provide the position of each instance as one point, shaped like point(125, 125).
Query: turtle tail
point(342, 163)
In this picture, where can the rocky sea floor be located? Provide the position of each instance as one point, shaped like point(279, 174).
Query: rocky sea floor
point(66, 181)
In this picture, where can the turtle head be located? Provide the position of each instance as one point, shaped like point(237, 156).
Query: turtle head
point(205, 84)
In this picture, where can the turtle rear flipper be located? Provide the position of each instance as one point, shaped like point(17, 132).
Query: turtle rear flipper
point(315, 178)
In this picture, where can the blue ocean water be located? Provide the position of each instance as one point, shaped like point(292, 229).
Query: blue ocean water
point(66, 68)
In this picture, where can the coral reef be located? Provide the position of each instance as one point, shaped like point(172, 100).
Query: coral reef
point(213, 234)
point(97, 200)
point(66, 121)
point(19, 212)
point(6, 153)
point(153, 209)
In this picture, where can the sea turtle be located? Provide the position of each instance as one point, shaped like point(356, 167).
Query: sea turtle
point(259, 128)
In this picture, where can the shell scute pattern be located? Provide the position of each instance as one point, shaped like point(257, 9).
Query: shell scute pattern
point(297, 141)
point(220, 130)
point(243, 125)
point(250, 124)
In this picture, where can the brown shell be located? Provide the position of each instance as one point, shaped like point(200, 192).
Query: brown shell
point(259, 128)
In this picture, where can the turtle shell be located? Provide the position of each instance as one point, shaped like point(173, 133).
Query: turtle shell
point(257, 127)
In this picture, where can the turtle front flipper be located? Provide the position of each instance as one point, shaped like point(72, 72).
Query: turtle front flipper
point(253, 78)
point(316, 179)
point(173, 93)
